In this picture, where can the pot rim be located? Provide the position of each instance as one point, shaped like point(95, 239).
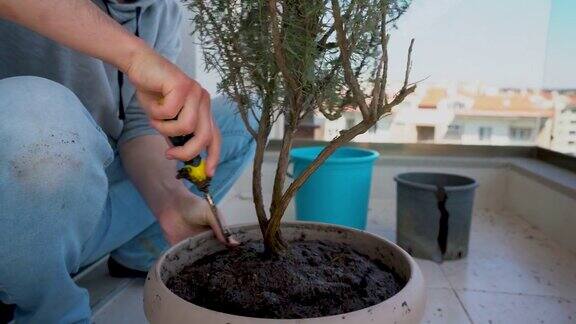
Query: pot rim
point(413, 266)
point(472, 185)
point(370, 155)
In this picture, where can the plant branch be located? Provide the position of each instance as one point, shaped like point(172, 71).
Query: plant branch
point(384, 40)
point(322, 43)
point(282, 167)
point(408, 64)
point(344, 137)
point(377, 89)
point(244, 115)
point(383, 99)
point(324, 40)
point(343, 44)
point(236, 76)
point(400, 96)
point(277, 47)
point(290, 59)
point(261, 141)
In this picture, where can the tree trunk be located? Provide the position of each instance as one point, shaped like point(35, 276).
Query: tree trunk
point(272, 237)
point(261, 141)
point(274, 244)
point(257, 186)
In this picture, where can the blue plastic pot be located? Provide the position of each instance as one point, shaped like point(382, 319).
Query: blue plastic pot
point(339, 191)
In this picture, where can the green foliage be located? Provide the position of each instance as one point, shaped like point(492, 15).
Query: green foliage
point(237, 42)
point(292, 58)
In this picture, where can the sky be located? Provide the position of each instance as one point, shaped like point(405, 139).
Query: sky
point(560, 68)
point(503, 43)
point(506, 43)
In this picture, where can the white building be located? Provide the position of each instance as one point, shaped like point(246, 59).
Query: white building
point(564, 128)
point(470, 115)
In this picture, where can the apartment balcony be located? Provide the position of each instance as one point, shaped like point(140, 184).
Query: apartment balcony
point(521, 266)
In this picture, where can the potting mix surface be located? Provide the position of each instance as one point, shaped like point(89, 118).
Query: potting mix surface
point(312, 279)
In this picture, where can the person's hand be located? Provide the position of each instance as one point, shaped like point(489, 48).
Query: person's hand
point(187, 216)
point(166, 93)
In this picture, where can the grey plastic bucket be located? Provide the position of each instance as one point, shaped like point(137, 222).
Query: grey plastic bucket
point(434, 213)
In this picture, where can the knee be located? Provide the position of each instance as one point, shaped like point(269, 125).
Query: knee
point(52, 196)
point(46, 132)
point(49, 146)
point(33, 102)
point(51, 174)
point(23, 95)
point(50, 191)
point(26, 83)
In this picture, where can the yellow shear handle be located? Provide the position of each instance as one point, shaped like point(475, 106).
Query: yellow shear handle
point(196, 174)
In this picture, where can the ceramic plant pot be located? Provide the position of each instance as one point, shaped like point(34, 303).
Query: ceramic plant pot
point(407, 306)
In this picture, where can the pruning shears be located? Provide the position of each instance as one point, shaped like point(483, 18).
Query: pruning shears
point(195, 171)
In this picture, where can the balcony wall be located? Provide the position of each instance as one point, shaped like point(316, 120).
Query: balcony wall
point(510, 179)
point(521, 263)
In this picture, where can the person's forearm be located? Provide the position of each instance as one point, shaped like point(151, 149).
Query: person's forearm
point(153, 175)
point(78, 24)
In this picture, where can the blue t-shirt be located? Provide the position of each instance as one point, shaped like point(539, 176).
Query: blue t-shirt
point(24, 52)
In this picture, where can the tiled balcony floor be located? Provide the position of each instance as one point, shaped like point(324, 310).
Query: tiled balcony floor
point(513, 273)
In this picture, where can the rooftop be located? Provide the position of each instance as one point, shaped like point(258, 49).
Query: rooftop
point(521, 265)
point(485, 101)
point(432, 97)
point(526, 105)
point(482, 100)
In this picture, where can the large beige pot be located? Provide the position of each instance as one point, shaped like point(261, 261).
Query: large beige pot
point(164, 307)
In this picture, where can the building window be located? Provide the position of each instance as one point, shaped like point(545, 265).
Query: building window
point(425, 134)
point(350, 122)
point(454, 132)
point(485, 134)
point(520, 133)
point(572, 132)
point(457, 105)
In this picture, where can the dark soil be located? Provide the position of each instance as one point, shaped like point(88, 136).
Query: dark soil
point(312, 279)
